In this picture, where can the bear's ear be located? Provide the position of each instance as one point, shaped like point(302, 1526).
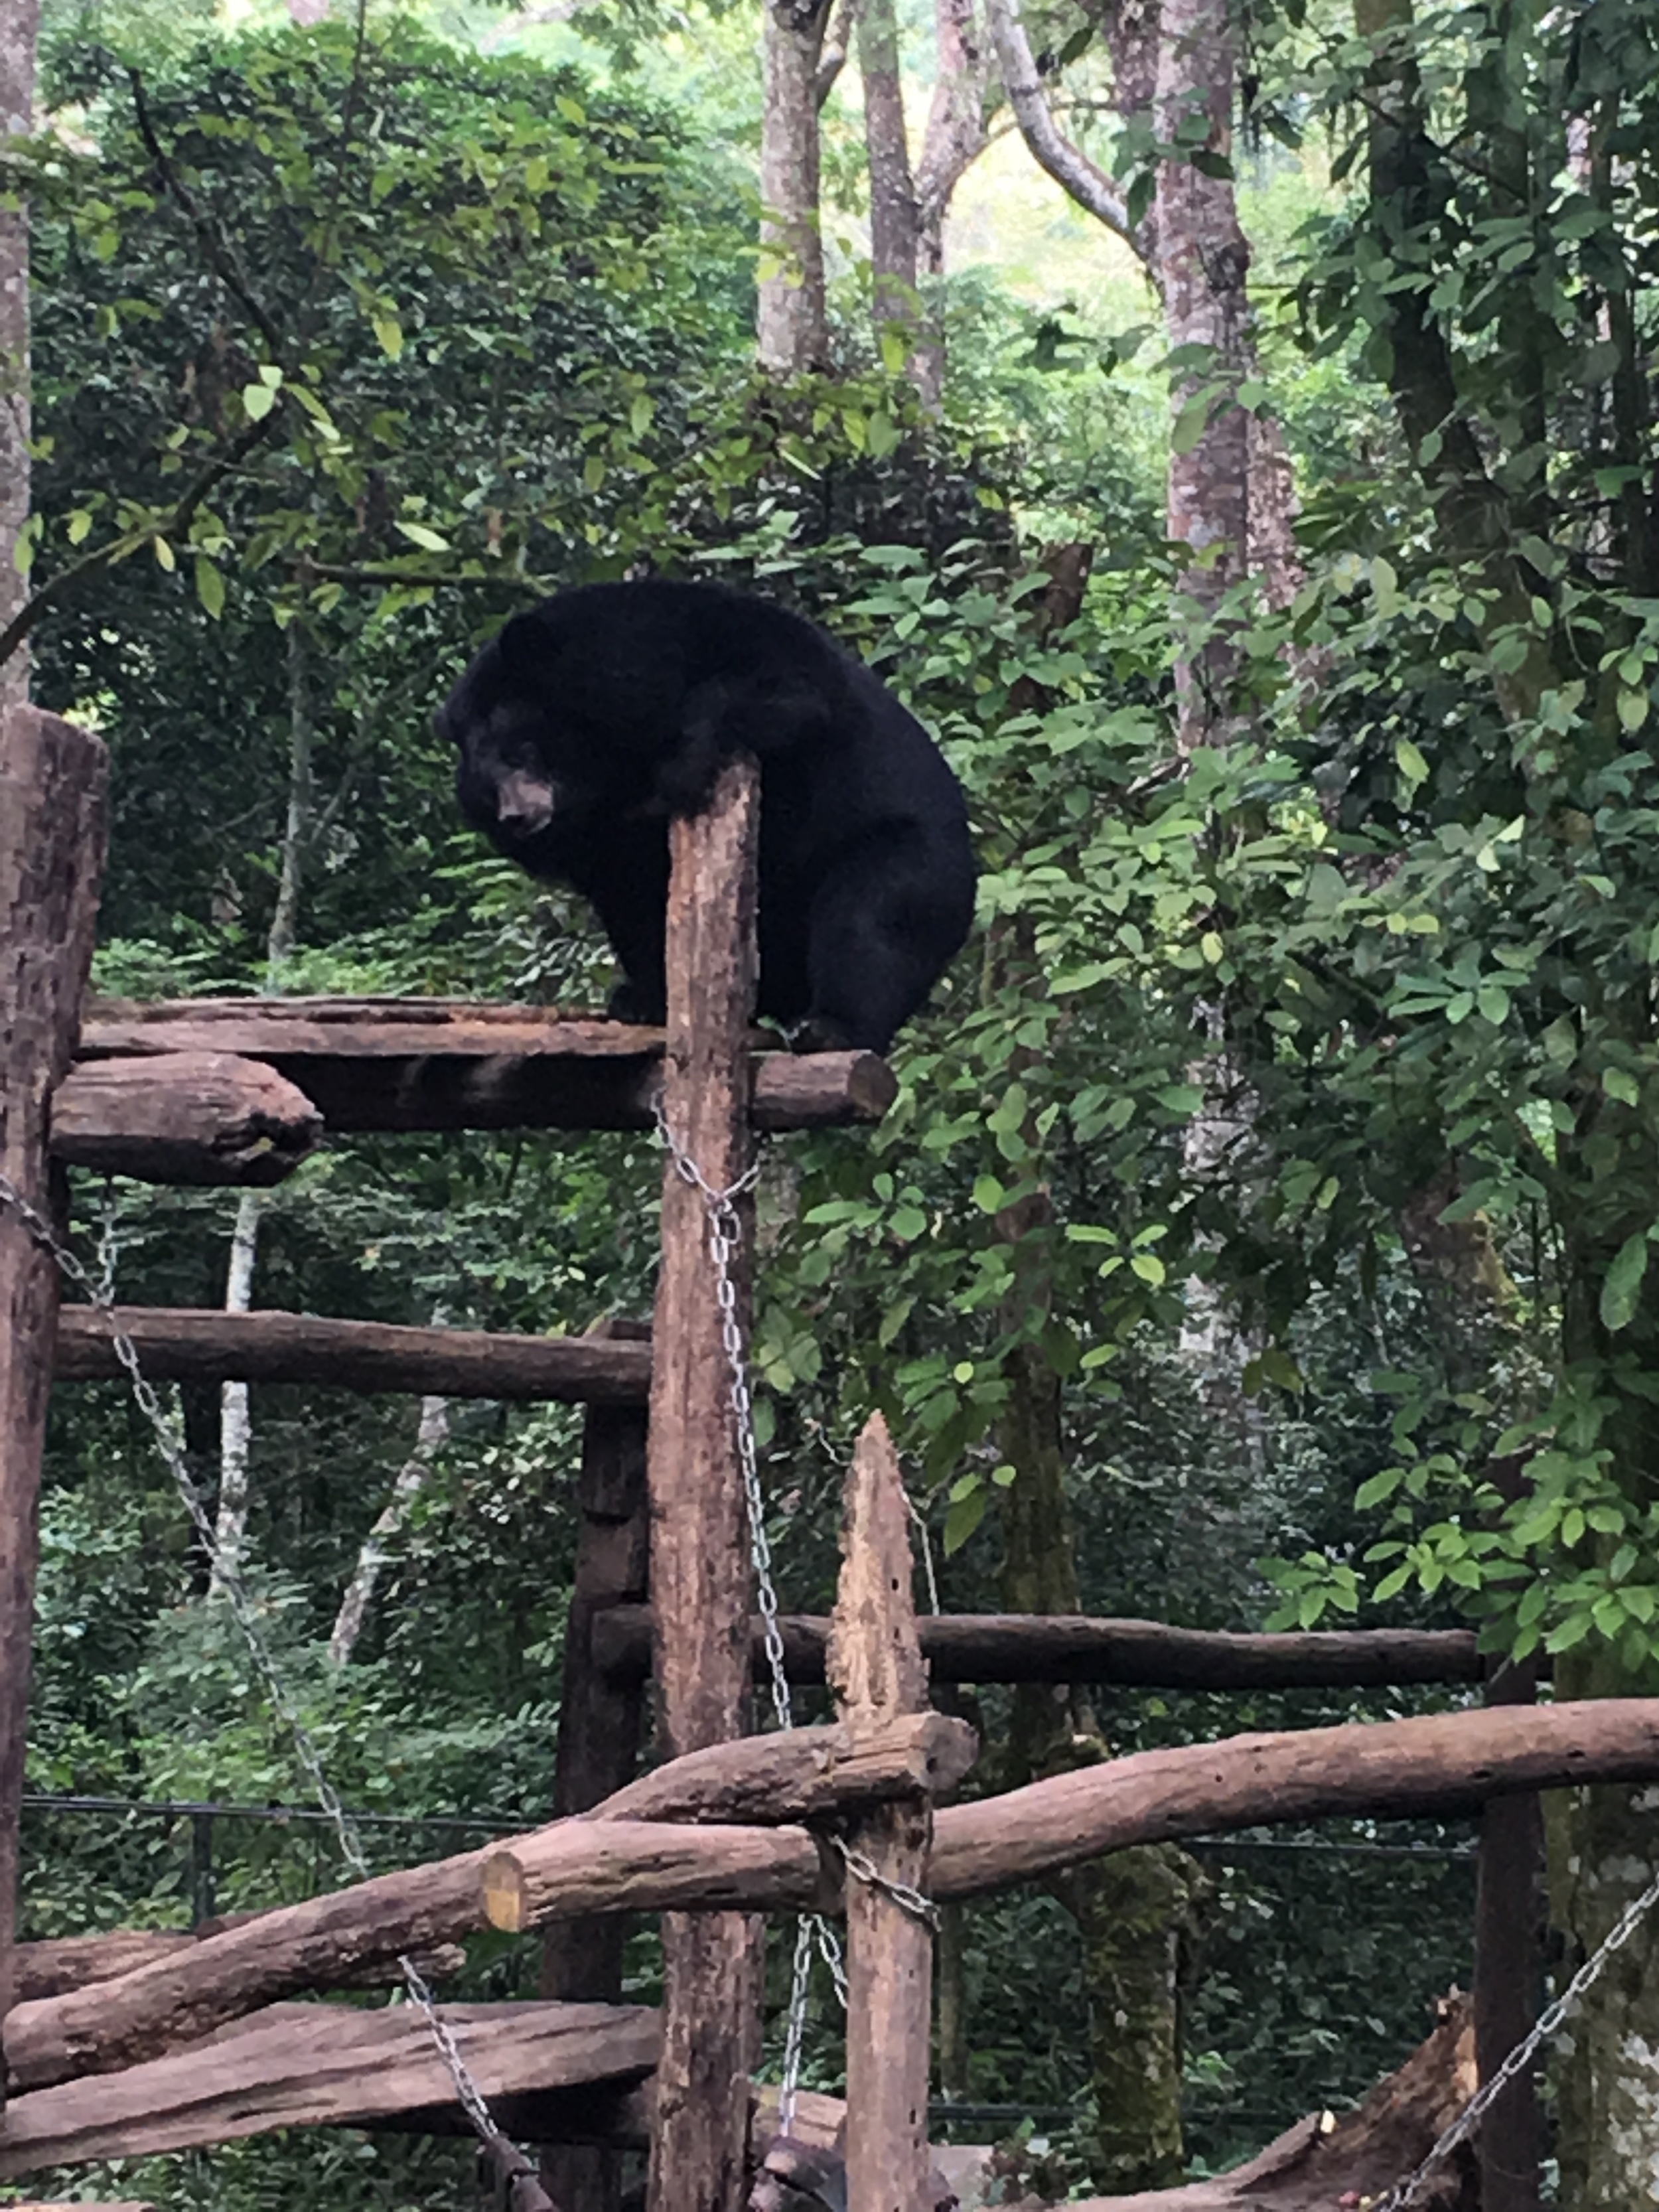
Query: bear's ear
point(524, 648)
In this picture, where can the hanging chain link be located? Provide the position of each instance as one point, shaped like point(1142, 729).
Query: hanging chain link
point(725, 1225)
point(725, 1236)
point(229, 1579)
point(1548, 2024)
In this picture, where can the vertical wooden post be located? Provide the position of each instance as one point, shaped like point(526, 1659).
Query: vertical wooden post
point(699, 1571)
point(600, 1724)
point(875, 1665)
point(1508, 1973)
point(52, 779)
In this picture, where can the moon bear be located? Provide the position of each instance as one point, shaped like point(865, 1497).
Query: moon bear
point(591, 719)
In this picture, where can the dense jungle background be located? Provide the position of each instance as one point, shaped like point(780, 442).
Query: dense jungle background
point(1229, 425)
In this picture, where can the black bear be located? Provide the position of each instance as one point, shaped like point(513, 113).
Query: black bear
point(590, 718)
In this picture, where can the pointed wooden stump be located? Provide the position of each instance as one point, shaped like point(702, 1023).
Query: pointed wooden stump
point(876, 1667)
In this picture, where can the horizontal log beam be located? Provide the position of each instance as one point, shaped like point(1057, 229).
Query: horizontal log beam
point(1440, 1763)
point(1437, 1763)
point(306, 2065)
point(435, 1064)
point(197, 1985)
point(184, 1117)
point(1014, 1647)
point(51, 1968)
point(178, 1344)
point(140, 2015)
point(801, 1774)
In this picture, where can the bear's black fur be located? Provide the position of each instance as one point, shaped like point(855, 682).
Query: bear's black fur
point(591, 718)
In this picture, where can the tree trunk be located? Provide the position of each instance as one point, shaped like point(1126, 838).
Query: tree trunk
point(894, 223)
point(430, 1437)
point(1470, 510)
point(235, 1410)
point(19, 25)
point(1202, 263)
point(235, 1407)
point(793, 329)
point(954, 139)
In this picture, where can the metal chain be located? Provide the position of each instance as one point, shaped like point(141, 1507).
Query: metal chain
point(1548, 2024)
point(725, 1236)
point(227, 1576)
point(723, 1232)
point(901, 1893)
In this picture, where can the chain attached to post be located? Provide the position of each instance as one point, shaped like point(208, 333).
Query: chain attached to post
point(528, 2194)
point(725, 1238)
point(1548, 2024)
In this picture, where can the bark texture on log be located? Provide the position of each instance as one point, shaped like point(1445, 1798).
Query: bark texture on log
point(1325, 2161)
point(115, 2024)
point(804, 1773)
point(601, 1725)
point(184, 1117)
point(20, 24)
point(876, 1671)
point(699, 1572)
point(386, 1064)
point(53, 780)
point(1438, 1762)
point(1007, 1647)
point(1434, 1764)
point(306, 2065)
point(1508, 1991)
point(190, 1345)
point(650, 1866)
point(53, 1968)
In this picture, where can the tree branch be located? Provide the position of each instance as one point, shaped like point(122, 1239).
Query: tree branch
point(217, 255)
point(1071, 169)
point(116, 548)
point(831, 62)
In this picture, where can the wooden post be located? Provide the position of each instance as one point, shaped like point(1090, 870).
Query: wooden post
point(52, 779)
point(1508, 1973)
point(699, 1573)
point(876, 1667)
point(600, 1724)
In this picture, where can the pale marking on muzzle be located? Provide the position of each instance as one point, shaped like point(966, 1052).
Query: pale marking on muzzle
point(526, 801)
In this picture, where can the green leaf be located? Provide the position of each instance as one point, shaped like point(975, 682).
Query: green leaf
point(964, 1516)
point(210, 586)
point(257, 400)
point(1619, 1084)
point(390, 332)
point(1411, 762)
point(1622, 1283)
point(428, 540)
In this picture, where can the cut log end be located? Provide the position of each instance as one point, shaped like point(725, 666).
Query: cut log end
point(505, 1903)
point(199, 1118)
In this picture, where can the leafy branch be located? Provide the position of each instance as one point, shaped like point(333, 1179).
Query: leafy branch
point(215, 252)
point(176, 525)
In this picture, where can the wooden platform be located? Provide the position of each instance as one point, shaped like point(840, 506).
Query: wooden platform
point(563, 2071)
point(401, 1064)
